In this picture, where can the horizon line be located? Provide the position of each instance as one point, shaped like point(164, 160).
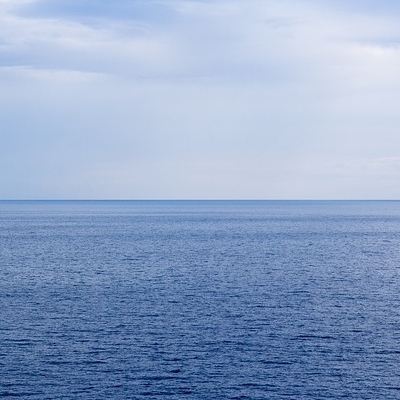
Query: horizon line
point(194, 199)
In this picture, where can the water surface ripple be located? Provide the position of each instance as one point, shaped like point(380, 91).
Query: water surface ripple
point(200, 300)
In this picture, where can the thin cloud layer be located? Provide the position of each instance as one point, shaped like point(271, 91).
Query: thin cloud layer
point(255, 99)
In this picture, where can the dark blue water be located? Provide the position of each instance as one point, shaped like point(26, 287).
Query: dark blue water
point(200, 300)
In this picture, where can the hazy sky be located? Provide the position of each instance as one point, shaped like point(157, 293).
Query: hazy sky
point(200, 99)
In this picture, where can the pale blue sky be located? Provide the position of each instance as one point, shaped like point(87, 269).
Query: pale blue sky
point(200, 99)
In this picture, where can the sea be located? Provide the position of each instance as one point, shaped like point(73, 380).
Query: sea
point(200, 300)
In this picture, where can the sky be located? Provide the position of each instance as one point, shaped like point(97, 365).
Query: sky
point(206, 99)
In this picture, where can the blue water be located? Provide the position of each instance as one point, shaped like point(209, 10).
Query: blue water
point(200, 300)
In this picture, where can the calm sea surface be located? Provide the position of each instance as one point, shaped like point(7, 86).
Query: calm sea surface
point(200, 300)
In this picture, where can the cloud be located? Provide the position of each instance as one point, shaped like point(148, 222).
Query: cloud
point(263, 41)
point(87, 10)
point(371, 7)
point(197, 98)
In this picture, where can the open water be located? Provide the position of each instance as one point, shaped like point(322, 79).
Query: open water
point(200, 300)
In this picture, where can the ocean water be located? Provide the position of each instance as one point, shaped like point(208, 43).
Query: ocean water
point(200, 300)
